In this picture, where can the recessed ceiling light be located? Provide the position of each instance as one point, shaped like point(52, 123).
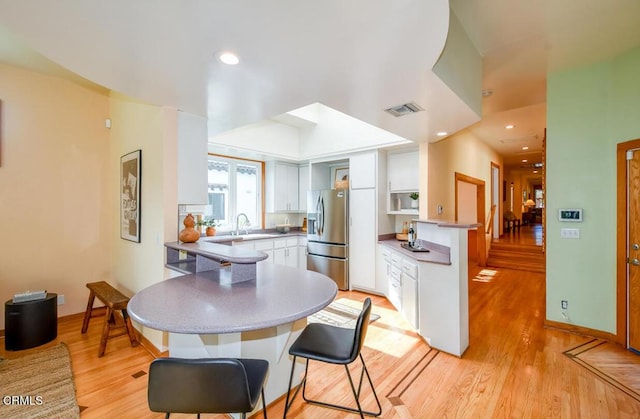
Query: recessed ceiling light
point(442, 133)
point(509, 126)
point(228, 58)
point(525, 148)
point(535, 171)
point(524, 160)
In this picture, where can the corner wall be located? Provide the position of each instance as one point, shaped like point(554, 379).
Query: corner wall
point(462, 153)
point(154, 131)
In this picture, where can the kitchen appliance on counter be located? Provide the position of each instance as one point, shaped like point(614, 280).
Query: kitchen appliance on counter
point(328, 234)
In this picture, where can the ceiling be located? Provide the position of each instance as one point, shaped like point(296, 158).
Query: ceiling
point(358, 57)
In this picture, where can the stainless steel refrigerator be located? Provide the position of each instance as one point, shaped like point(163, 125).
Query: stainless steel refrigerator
point(328, 234)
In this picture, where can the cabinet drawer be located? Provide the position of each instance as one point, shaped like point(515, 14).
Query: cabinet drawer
point(386, 254)
point(263, 244)
point(410, 269)
point(279, 243)
point(395, 274)
point(396, 259)
point(290, 242)
point(302, 241)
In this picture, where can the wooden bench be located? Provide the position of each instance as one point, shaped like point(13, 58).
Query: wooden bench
point(113, 301)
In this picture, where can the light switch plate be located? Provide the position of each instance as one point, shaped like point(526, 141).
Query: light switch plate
point(570, 233)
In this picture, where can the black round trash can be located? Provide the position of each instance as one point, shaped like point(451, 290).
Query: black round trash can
point(30, 323)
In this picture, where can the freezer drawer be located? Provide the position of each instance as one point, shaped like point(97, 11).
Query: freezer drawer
point(325, 249)
point(335, 268)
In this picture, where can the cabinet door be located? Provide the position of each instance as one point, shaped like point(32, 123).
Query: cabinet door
point(410, 300)
point(292, 256)
point(303, 187)
point(362, 238)
point(283, 186)
point(402, 172)
point(362, 170)
point(302, 257)
point(279, 256)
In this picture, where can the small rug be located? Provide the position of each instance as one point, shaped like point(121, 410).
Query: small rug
point(39, 385)
point(610, 363)
point(340, 313)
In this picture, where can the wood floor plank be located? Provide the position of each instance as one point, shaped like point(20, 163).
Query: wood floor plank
point(514, 367)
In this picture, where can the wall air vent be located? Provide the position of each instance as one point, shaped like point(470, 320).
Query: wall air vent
point(404, 109)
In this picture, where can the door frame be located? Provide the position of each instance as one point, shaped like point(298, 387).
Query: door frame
point(496, 181)
point(621, 239)
point(480, 212)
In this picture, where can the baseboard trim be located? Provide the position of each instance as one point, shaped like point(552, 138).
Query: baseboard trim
point(580, 330)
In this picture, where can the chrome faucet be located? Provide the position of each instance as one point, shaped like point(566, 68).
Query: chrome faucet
point(245, 223)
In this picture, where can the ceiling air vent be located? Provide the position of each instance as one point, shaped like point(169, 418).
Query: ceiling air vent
point(404, 109)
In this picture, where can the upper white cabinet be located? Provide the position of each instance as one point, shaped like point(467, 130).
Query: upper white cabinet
point(402, 172)
point(303, 187)
point(362, 170)
point(281, 187)
point(192, 159)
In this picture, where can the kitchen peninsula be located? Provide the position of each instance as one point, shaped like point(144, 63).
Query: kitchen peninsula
point(227, 305)
point(431, 288)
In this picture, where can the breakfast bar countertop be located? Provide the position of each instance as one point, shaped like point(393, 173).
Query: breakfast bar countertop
point(209, 303)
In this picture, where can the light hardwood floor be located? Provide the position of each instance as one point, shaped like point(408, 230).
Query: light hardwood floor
point(514, 368)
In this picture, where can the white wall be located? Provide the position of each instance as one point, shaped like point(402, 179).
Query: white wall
point(54, 187)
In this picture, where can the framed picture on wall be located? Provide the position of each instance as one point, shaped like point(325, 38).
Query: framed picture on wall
point(341, 178)
point(130, 171)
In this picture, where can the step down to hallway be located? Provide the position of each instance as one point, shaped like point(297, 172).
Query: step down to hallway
point(524, 257)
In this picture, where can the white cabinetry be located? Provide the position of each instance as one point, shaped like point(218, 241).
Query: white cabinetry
point(410, 292)
point(281, 251)
point(285, 251)
point(302, 252)
point(281, 187)
point(402, 274)
point(402, 172)
point(303, 187)
point(402, 180)
point(362, 170)
point(362, 239)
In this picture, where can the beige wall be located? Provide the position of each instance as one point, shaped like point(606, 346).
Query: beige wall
point(54, 187)
point(153, 130)
point(462, 153)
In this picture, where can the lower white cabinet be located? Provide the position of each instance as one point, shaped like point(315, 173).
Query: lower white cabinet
point(281, 251)
point(401, 274)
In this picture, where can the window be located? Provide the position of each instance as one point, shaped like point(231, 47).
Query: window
point(235, 187)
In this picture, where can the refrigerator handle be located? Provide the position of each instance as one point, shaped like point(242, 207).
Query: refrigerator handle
point(316, 226)
point(322, 217)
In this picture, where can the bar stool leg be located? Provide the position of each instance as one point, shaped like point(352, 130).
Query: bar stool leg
point(88, 312)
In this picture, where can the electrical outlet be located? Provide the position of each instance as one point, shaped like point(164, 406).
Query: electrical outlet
point(564, 304)
point(60, 299)
point(182, 255)
point(440, 209)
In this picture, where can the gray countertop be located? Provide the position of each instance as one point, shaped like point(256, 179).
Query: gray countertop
point(437, 253)
point(207, 303)
point(219, 252)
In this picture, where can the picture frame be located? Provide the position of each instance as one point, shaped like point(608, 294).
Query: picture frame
point(341, 178)
point(130, 177)
point(570, 214)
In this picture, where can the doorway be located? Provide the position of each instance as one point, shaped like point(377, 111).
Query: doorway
point(628, 245)
point(470, 208)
